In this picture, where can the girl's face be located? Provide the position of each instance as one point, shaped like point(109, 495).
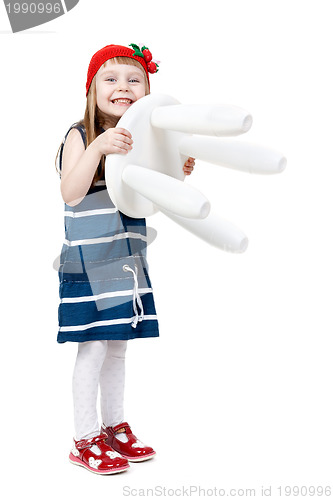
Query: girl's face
point(118, 86)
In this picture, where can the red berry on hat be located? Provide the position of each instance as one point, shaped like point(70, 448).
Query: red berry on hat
point(152, 67)
point(147, 55)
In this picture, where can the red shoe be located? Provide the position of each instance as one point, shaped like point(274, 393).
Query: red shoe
point(95, 455)
point(133, 449)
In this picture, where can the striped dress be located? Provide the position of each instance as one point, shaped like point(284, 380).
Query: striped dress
point(105, 290)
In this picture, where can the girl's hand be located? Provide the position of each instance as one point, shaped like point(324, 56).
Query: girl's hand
point(114, 140)
point(188, 166)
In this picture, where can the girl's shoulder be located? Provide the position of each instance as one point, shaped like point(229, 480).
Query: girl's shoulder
point(81, 129)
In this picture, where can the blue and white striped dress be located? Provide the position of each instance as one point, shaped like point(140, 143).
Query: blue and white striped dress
point(105, 290)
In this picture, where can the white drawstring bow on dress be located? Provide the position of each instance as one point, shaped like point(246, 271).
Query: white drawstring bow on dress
point(137, 302)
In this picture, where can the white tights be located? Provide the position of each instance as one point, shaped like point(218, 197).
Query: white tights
point(98, 363)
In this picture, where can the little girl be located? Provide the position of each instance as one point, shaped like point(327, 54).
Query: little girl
point(105, 290)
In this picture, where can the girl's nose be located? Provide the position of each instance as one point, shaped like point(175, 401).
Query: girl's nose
point(122, 85)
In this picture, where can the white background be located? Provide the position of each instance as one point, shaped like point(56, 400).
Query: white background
point(237, 391)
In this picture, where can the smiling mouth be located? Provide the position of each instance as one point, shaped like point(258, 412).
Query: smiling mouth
point(122, 101)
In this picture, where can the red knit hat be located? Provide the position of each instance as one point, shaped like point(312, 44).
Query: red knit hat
point(142, 55)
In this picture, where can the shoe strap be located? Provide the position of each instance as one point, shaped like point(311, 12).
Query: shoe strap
point(87, 443)
point(123, 427)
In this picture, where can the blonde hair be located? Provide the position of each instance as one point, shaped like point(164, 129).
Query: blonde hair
point(93, 118)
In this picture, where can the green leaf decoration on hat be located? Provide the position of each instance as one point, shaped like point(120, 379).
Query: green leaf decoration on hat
point(137, 50)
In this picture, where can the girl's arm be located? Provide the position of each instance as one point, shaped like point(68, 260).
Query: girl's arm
point(79, 164)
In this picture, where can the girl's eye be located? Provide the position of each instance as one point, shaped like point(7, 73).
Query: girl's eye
point(111, 79)
point(134, 80)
